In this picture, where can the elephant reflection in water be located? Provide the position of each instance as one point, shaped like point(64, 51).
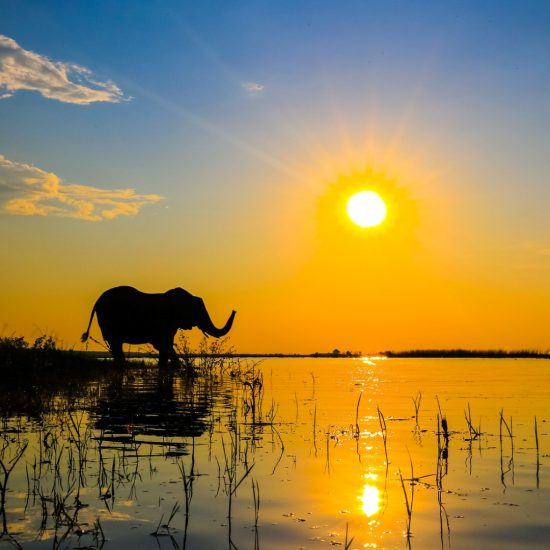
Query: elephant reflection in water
point(154, 404)
point(126, 315)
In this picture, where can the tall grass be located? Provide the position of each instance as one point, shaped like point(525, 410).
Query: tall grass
point(18, 357)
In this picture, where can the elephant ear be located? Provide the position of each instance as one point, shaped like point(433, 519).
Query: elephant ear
point(181, 307)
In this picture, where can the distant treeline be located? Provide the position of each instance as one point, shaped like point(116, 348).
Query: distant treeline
point(18, 356)
point(231, 355)
point(320, 354)
point(472, 353)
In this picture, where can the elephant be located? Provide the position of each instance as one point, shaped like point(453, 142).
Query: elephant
point(127, 315)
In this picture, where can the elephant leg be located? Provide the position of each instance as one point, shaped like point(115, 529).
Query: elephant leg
point(163, 355)
point(167, 354)
point(115, 347)
point(174, 359)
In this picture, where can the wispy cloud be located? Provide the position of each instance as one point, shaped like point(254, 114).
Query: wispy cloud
point(529, 255)
point(26, 190)
point(22, 69)
point(253, 88)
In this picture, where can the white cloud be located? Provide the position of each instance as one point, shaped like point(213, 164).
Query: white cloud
point(253, 87)
point(67, 82)
point(26, 190)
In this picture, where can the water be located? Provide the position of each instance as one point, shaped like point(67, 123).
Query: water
point(107, 460)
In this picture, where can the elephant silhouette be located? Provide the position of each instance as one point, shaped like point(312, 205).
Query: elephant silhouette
point(128, 316)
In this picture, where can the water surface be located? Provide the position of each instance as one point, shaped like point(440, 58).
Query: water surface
point(289, 463)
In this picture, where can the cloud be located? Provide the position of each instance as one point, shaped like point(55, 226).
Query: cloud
point(67, 82)
point(529, 256)
point(253, 88)
point(536, 249)
point(26, 190)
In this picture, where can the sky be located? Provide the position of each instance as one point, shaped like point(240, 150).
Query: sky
point(213, 146)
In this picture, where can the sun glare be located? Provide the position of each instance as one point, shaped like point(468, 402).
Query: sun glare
point(367, 209)
point(370, 500)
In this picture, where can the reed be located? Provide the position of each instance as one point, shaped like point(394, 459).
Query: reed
point(417, 401)
point(98, 534)
point(408, 507)
point(256, 498)
point(164, 529)
point(538, 451)
point(441, 471)
point(348, 542)
point(357, 430)
point(474, 433)
point(187, 482)
point(384, 432)
point(444, 425)
point(510, 430)
point(7, 464)
point(327, 460)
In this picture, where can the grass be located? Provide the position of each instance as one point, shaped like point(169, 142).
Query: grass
point(25, 366)
point(18, 357)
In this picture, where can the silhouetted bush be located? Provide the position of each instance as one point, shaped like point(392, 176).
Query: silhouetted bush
point(18, 358)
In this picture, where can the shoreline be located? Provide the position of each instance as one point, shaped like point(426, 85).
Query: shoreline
point(410, 354)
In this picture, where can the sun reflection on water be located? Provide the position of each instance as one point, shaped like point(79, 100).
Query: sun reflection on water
point(370, 500)
point(372, 359)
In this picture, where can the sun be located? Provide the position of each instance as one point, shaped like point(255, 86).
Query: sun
point(367, 209)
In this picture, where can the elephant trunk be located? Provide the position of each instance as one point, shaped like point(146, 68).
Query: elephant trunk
point(208, 326)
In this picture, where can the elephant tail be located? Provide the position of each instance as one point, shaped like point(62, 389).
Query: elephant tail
point(84, 337)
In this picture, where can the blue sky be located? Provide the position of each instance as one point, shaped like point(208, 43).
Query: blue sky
point(197, 55)
point(487, 58)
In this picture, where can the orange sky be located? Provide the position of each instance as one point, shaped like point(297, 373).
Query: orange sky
point(301, 276)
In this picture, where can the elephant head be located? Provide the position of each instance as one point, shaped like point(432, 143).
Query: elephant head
point(190, 311)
